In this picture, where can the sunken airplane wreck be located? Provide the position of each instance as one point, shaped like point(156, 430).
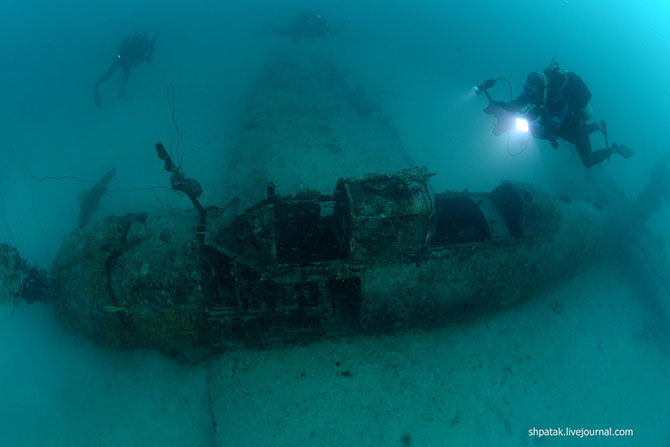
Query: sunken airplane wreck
point(382, 252)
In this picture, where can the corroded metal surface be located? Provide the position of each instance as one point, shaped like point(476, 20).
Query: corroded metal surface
point(382, 252)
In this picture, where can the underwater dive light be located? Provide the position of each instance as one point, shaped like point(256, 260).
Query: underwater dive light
point(484, 86)
point(521, 124)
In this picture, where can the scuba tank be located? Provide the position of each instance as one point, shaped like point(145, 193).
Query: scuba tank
point(574, 89)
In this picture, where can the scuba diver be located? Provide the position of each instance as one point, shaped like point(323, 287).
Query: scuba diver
point(556, 105)
point(308, 25)
point(133, 50)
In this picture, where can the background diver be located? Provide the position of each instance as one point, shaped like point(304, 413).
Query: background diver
point(308, 25)
point(134, 50)
point(556, 104)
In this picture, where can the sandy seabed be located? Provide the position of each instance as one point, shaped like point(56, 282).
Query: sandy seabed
point(592, 353)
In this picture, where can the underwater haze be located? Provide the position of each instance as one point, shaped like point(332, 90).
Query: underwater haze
point(590, 352)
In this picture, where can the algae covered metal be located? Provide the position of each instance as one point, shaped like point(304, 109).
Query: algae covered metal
point(19, 280)
point(305, 124)
point(383, 251)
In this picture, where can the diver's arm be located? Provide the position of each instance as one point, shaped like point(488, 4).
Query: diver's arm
point(523, 100)
point(514, 106)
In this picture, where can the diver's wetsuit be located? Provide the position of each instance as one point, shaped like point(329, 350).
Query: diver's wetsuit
point(561, 113)
point(133, 51)
point(578, 132)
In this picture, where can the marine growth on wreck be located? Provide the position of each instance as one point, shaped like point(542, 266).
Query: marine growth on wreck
point(315, 249)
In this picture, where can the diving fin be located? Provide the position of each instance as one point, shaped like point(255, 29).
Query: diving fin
point(623, 150)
